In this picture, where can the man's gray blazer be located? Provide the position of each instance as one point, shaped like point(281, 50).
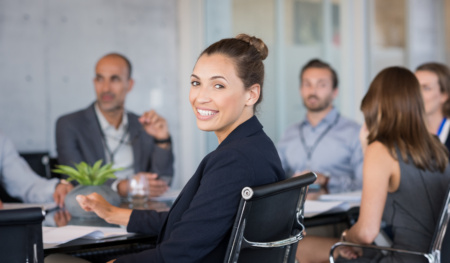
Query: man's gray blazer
point(79, 138)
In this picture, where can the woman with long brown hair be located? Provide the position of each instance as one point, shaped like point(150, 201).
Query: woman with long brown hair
point(404, 172)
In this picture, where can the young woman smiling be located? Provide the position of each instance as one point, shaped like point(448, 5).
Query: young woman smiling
point(226, 86)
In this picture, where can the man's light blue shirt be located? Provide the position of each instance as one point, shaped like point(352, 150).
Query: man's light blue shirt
point(337, 154)
point(19, 180)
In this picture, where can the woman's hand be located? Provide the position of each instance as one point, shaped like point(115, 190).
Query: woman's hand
point(111, 214)
point(349, 252)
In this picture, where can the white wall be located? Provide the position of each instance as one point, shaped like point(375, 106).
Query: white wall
point(48, 50)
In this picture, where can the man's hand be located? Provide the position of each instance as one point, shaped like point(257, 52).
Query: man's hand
point(156, 186)
point(60, 193)
point(1, 204)
point(155, 125)
point(321, 180)
point(111, 214)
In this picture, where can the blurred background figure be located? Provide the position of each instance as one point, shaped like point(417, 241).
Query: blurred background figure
point(434, 79)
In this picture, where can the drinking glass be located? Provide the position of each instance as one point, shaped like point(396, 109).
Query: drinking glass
point(138, 191)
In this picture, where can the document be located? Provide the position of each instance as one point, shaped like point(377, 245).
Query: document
point(64, 234)
point(348, 196)
point(44, 206)
point(314, 207)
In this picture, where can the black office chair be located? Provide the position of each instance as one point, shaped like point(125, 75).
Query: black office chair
point(269, 222)
point(434, 253)
point(39, 162)
point(21, 235)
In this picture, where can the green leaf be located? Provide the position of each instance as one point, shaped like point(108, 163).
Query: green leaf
point(85, 174)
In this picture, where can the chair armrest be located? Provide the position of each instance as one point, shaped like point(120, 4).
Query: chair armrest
point(21, 216)
point(278, 243)
point(403, 251)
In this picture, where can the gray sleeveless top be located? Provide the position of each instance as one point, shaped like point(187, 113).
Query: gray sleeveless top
point(412, 210)
point(411, 213)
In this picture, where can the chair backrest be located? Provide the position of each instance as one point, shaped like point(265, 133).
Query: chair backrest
point(21, 235)
point(269, 222)
point(39, 162)
point(441, 228)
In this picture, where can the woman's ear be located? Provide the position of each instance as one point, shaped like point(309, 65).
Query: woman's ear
point(253, 94)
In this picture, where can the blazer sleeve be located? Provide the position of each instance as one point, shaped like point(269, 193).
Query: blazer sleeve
point(18, 178)
point(146, 221)
point(210, 215)
point(66, 143)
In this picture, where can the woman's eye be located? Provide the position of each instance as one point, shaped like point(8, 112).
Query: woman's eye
point(218, 86)
point(195, 83)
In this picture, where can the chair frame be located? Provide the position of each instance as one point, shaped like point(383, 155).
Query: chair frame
point(30, 219)
point(434, 253)
point(238, 241)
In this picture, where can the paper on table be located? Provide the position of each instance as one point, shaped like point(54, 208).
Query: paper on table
point(60, 235)
point(44, 206)
point(313, 207)
point(349, 196)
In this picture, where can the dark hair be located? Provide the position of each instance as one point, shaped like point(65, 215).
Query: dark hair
point(317, 63)
point(443, 74)
point(394, 114)
point(247, 52)
point(127, 61)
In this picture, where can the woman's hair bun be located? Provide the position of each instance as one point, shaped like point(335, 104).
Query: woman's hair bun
point(255, 42)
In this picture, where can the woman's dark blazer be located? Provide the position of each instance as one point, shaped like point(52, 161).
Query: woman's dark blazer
point(198, 225)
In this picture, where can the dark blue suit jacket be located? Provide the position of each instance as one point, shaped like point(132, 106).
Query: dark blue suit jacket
point(79, 138)
point(198, 226)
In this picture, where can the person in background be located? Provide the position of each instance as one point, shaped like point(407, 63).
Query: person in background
point(226, 86)
point(325, 142)
point(107, 131)
point(404, 178)
point(434, 79)
point(19, 181)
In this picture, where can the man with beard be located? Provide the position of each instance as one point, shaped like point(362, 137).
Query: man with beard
point(325, 142)
point(107, 131)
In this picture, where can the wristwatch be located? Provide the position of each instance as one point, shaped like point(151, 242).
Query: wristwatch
point(168, 140)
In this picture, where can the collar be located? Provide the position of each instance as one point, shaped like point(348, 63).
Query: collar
point(104, 124)
point(329, 118)
point(245, 129)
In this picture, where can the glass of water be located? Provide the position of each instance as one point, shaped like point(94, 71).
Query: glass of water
point(138, 191)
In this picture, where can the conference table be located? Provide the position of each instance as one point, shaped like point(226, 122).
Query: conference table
point(101, 250)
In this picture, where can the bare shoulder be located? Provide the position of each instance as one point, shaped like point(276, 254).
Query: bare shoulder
point(378, 151)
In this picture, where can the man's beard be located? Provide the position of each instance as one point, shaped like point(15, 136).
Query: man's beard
point(322, 105)
point(110, 108)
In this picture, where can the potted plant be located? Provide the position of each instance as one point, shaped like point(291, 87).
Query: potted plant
point(90, 179)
